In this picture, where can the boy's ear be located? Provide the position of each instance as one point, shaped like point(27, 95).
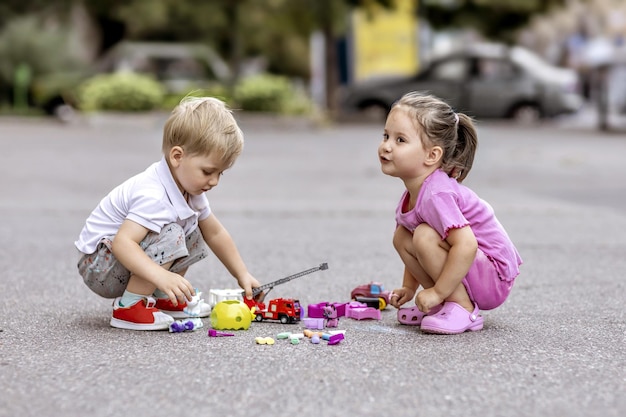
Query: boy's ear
point(434, 155)
point(175, 155)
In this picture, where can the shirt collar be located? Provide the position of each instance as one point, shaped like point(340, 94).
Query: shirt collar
point(183, 210)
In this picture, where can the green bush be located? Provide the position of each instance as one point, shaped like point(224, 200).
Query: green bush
point(269, 93)
point(121, 92)
point(216, 90)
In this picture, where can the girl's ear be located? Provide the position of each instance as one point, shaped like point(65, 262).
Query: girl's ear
point(434, 155)
point(175, 155)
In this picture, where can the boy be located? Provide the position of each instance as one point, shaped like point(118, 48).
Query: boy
point(139, 241)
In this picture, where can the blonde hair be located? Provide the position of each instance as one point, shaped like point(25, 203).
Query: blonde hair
point(453, 132)
point(202, 126)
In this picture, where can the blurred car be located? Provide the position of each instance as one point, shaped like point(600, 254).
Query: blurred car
point(178, 66)
point(483, 81)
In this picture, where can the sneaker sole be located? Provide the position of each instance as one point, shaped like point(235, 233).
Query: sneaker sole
point(122, 324)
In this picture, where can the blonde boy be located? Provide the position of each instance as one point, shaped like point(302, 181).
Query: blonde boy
point(138, 243)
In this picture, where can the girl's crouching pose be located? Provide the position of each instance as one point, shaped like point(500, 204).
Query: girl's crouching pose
point(449, 239)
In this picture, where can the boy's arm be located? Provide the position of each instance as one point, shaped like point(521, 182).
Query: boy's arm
point(127, 251)
point(221, 243)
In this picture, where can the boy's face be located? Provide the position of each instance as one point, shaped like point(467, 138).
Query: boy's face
point(195, 174)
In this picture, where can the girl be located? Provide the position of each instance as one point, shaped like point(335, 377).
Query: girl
point(447, 237)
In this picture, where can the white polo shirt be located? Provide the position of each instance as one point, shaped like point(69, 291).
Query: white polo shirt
point(151, 199)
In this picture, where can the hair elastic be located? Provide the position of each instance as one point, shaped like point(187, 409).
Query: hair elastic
point(456, 118)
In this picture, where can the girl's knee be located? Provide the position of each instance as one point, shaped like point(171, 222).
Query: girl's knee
point(400, 238)
point(425, 237)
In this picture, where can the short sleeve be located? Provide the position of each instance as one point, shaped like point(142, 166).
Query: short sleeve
point(150, 212)
point(442, 212)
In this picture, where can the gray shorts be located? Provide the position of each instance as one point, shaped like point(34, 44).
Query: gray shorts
point(107, 277)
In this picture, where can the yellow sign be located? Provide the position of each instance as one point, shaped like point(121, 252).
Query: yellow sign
point(385, 42)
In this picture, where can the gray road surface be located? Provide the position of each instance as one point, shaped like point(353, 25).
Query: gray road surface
point(298, 196)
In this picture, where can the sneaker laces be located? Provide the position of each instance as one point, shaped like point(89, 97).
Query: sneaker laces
point(150, 302)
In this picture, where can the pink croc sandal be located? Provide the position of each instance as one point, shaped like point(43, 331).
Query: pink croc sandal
point(452, 319)
point(412, 316)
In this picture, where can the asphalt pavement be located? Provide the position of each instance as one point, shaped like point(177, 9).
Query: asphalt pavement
point(302, 194)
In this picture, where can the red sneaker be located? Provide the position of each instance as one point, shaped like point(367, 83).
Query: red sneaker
point(140, 316)
point(194, 308)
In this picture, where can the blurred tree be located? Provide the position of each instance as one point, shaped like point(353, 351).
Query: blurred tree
point(278, 31)
point(494, 19)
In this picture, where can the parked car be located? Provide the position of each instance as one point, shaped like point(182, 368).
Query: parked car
point(178, 66)
point(483, 80)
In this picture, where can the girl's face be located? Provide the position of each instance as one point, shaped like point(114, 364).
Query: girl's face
point(401, 152)
point(195, 174)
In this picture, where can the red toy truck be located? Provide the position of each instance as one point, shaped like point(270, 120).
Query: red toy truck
point(372, 290)
point(285, 310)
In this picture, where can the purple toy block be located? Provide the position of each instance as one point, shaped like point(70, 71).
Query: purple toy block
point(335, 339)
point(314, 323)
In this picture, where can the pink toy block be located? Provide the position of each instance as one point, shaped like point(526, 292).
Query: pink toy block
point(361, 312)
point(317, 310)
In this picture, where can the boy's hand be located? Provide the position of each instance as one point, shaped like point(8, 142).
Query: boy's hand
point(177, 288)
point(400, 296)
point(247, 282)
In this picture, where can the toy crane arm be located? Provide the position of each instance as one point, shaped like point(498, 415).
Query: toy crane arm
point(256, 291)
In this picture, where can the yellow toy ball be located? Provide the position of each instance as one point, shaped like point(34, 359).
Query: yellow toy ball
point(231, 315)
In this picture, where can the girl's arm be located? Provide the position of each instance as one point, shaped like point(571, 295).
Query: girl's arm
point(127, 251)
point(407, 292)
point(461, 255)
point(221, 243)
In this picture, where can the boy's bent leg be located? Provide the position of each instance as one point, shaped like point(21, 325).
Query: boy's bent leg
point(102, 273)
point(166, 246)
point(196, 251)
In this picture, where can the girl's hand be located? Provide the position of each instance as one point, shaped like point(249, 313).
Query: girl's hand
point(400, 296)
point(427, 299)
point(177, 288)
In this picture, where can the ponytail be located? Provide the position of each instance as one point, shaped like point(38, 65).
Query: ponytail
point(462, 159)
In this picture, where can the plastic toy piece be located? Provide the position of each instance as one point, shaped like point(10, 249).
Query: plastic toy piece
point(369, 301)
point(315, 339)
point(374, 290)
point(217, 296)
point(308, 333)
point(314, 323)
point(330, 313)
point(215, 333)
point(295, 338)
point(336, 338)
point(194, 307)
point(285, 310)
point(317, 310)
point(231, 315)
point(180, 326)
point(283, 335)
point(264, 340)
point(362, 312)
point(269, 286)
